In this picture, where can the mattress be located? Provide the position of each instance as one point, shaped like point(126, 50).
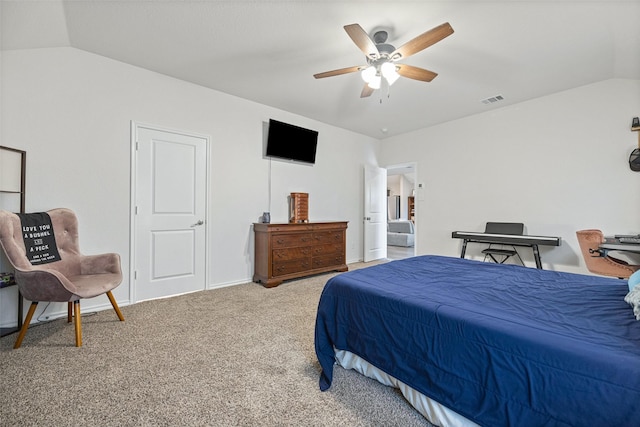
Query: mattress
point(433, 411)
point(497, 344)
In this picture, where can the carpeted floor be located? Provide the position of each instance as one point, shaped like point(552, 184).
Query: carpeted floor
point(236, 356)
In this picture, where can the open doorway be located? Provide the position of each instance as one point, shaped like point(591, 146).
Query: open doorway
point(401, 207)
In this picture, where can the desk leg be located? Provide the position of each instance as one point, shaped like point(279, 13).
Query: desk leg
point(536, 255)
point(464, 248)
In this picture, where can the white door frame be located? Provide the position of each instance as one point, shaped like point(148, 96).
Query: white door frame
point(417, 197)
point(132, 202)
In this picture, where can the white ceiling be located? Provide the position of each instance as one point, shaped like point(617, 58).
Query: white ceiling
point(268, 51)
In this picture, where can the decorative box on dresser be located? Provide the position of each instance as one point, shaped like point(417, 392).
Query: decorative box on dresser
point(289, 251)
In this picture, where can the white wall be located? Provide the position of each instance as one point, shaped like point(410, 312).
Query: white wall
point(71, 111)
point(399, 185)
point(557, 163)
point(406, 190)
point(393, 185)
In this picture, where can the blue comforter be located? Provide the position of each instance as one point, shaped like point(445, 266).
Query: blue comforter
point(499, 344)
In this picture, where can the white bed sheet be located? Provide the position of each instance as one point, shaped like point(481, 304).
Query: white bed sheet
point(433, 411)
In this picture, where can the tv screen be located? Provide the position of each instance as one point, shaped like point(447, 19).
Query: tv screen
point(290, 142)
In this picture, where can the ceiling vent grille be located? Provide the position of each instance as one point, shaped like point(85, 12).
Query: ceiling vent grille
point(493, 99)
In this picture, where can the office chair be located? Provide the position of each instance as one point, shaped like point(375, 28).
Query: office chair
point(73, 277)
point(514, 228)
point(599, 261)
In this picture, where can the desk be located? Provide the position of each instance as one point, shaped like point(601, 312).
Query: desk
point(8, 280)
point(613, 244)
point(507, 239)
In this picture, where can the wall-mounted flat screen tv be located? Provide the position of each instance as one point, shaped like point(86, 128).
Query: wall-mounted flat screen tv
point(290, 142)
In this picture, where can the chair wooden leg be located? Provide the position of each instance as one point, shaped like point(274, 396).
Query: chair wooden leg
point(78, 323)
point(115, 306)
point(25, 324)
point(69, 311)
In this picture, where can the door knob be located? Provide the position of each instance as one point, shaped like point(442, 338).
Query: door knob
point(197, 223)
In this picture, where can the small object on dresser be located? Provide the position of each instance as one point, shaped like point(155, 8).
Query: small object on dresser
point(266, 217)
point(299, 207)
point(7, 279)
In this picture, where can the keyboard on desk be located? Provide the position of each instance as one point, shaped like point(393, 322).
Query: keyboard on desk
point(630, 240)
point(507, 239)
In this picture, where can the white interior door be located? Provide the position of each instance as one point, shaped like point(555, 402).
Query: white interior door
point(170, 213)
point(375, 213)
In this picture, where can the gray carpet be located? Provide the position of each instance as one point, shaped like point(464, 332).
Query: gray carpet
point(236, 356)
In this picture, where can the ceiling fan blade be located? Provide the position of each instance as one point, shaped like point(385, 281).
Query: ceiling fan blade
point(362, 40)
point(337, 72)
point(415, 73)
point(423, 41)
point(366, 91)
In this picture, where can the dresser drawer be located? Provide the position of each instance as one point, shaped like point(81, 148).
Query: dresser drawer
point(282, 268)
point(290, 240)
point(288, 254)
point(328, 249)
point(328, 260)
point(328, 237)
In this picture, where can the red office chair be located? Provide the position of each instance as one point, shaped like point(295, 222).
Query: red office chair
point(599, 262)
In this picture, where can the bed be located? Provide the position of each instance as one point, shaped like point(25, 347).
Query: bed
point(470, 343)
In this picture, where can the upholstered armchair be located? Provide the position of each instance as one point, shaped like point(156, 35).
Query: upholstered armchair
point(71, 278)
point(599, 262)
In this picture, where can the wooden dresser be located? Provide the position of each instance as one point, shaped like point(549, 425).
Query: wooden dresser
point(289, 251)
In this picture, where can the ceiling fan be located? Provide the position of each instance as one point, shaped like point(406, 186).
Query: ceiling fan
point(382, 57)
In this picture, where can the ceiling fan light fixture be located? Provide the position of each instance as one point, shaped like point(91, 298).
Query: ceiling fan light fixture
point(389, 72)
point(369, 73)
point(375, 82)
point(381, 57)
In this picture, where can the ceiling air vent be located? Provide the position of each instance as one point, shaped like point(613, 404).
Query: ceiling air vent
point(492, 99)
